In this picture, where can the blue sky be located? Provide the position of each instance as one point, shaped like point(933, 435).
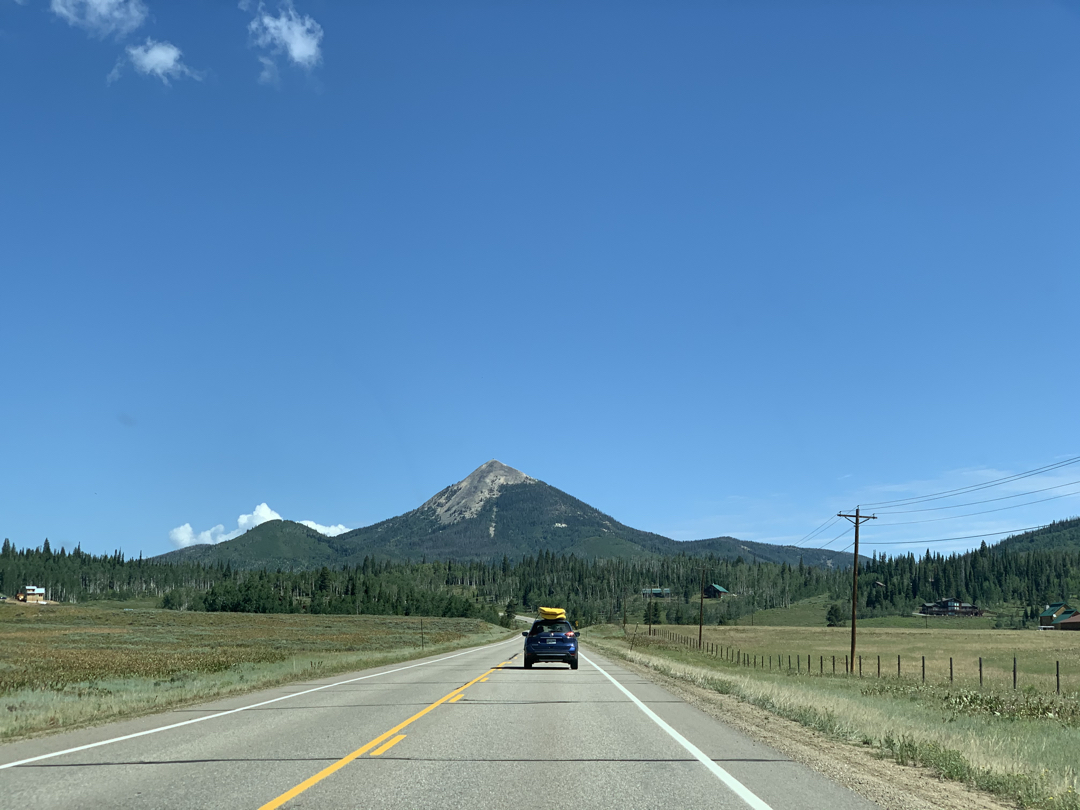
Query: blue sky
point(714, 268)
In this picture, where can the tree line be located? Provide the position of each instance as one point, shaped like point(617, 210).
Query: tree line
point(592, 590)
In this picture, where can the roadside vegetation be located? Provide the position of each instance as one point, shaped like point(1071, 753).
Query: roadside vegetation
point(1017, 744)
point(67, 666)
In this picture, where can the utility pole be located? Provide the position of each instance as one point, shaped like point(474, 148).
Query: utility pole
point(857, 519)
point(701, 609)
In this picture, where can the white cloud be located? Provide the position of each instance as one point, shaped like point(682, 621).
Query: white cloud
point(298, 37)
point(184, 536)
point(329, 531)
point(159, 59)
point(102, 17)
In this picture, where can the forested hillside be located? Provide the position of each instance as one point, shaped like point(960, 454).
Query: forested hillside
point(592, 589)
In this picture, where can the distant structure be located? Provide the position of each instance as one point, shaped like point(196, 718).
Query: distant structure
point(656, 593)
point(1055, 614)
point(950, 606)
point(714, 591)
point(31, 593)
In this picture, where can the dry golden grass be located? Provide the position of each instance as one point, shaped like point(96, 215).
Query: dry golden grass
point(65, 666)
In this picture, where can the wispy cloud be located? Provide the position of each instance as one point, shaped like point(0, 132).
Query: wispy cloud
point(184, 536)
point(159, 59)
point(102, 18)
point(287, 33)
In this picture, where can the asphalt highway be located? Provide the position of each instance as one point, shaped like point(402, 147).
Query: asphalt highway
point(471, 729)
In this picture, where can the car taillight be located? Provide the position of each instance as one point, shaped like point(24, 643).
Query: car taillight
point(570, 635)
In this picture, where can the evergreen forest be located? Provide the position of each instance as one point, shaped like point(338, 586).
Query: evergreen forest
point(1020, 571)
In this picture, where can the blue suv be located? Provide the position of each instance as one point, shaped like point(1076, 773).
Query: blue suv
point(553, 640)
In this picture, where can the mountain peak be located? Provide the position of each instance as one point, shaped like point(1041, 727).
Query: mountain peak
point(464, 499)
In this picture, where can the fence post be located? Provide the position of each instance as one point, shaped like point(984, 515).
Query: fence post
point(821, 664)
point(879, 666)
point(798, 663)
point(860, 666)
point(847, 669)
point(789, 663)
point(1057, 668)
point(1014, 672)
point(950, 669)
point(834, 665)
point(898, 666)
point(924, 669)
point(808, 663)
point(980, 672)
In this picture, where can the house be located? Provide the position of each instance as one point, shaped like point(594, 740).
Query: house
point(1068, 622)
point(31, 593)
point(1054, 613)
point(714, 591)
point(656, 593)
point(950, 606)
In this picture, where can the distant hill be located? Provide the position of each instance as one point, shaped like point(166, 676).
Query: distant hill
point(496, 511)
point(1061, 534)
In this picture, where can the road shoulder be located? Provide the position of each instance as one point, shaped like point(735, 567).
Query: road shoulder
point(892, 786)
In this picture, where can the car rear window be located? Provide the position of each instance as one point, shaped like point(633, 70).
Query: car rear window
point(551, 627)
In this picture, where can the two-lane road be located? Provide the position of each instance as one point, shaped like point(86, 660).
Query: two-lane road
point(468, 730)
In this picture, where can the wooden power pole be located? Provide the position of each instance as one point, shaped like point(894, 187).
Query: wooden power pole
point(701, 609)
point(857, 519)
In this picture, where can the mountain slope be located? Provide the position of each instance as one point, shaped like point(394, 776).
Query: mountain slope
point(1061, 534)
point(495, 511)
point(274, 544)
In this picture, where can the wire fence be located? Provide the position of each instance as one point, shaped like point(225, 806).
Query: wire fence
point(987, 672)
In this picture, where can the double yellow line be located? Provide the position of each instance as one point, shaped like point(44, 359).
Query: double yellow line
point(382, 743)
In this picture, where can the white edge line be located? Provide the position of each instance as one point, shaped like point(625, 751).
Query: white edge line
point(242, 708)
point(740, 790)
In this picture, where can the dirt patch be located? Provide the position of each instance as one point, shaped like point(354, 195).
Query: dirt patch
point(892, 786)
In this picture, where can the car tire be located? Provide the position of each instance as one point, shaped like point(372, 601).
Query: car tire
point(527, 663)
point(573, 665)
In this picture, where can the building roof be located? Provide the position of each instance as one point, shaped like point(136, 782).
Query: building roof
point(1068, 614)
point(720, 588)
point(1054, 608)
point(1073, 618)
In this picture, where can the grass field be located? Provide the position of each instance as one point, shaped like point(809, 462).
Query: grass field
point(1018, 744)
point(65, 666)
point(811, 613)
point(1038, 653)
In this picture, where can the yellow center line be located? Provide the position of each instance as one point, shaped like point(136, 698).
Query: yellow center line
point(382, 749)
point(359, 752)
point(455, 698)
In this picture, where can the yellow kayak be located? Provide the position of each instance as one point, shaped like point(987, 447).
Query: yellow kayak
point(549, 614)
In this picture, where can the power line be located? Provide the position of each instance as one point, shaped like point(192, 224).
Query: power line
point(820, 528)
point(950, 539)
point(983, 512)
point(975, 503)
point(935, 496)
point(849, 528)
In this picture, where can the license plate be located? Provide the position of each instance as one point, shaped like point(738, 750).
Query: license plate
point(549, 641)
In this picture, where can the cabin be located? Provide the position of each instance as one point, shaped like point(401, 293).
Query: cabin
point(656, 593)
point(1055, 613)
point(714, 591)
point(1069, 621)
point(950, 606)
point(31, 593)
